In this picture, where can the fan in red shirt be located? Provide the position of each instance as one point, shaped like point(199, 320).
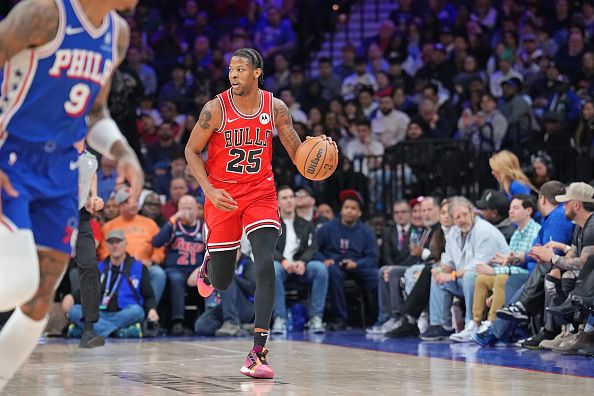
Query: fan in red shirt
point(238, 182)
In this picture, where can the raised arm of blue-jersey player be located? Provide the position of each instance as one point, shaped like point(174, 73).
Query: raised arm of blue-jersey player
point(128, 166)
point(211, 117)
point(31, 23)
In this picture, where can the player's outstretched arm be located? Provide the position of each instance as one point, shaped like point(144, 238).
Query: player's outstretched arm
point(31, 23)
point(210, 118)
point(104, 134)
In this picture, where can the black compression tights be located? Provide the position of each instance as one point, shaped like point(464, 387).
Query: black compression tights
point(221, 270)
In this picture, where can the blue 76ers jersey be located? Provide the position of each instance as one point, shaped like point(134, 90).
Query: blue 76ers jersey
point(46, 92)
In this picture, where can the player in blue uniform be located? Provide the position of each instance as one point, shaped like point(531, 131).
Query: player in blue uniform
point(56, 59)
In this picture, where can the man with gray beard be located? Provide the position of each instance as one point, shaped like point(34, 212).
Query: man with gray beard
point(472, 241)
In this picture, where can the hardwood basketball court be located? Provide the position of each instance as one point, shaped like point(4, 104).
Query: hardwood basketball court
point(320, 365)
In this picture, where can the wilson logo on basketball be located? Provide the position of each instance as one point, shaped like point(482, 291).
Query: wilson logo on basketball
point(316, 158)
point(311, 169)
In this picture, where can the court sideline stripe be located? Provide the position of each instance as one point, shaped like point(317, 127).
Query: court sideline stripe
point(450, 360)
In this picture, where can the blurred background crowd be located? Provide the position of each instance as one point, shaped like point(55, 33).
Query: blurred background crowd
point(491, 100)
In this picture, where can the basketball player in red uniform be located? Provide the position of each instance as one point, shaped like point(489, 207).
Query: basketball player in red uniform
point(239, 186)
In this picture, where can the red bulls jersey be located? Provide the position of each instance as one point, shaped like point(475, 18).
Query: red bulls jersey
point(240, 151)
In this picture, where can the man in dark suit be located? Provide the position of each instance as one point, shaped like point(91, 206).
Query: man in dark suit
point(398, 254)
point(396, 238)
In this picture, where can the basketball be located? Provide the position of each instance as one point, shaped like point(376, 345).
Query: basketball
point(316, 159)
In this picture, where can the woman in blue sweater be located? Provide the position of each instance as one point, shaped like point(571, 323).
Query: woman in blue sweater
point(505, 167)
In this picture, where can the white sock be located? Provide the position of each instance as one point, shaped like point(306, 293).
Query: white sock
point(18, 338)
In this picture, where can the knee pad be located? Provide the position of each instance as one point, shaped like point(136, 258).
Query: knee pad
point(263, 242)
point(221, 268)
point(19, 267)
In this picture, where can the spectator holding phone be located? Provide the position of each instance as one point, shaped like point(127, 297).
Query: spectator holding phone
point(183, 238)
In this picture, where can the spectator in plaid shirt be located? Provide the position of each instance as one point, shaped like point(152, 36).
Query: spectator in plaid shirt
point(492, 278)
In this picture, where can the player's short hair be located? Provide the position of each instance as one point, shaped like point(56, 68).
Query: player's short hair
point(254, 58)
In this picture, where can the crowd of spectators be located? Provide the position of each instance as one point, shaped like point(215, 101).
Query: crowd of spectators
point(512, 79)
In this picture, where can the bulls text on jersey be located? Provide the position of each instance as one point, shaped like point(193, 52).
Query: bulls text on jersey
point(242, 137)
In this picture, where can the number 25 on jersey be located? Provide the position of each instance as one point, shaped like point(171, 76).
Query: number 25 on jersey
point(245, 161)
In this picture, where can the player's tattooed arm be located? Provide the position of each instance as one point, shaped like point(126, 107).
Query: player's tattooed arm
point(210, 119)
point(284, 125)
point(31, 23)
point(205, 118)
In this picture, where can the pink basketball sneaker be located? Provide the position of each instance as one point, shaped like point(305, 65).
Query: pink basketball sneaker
point(205, 289)
point(255, 365)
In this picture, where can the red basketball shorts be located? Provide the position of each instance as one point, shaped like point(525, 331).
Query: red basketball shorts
point(257, 208)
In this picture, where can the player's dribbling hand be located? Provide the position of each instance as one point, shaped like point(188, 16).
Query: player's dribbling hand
point(7, 187)
point(222, 200)
point(328, 138)
point(129, 169)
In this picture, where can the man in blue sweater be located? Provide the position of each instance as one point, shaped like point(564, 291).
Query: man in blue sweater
point(348, 248)
point(524, 291)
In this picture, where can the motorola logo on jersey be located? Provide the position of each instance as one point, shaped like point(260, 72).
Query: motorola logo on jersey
point(81, 64)
point(264, 118)
point(246, 137)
